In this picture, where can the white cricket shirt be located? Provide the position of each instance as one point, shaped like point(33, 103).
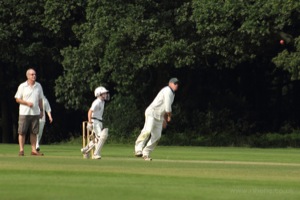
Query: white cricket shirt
point(97, 108)
point(161, 104)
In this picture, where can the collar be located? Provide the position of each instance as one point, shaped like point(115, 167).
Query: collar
point(26, 82)
point(172, 90)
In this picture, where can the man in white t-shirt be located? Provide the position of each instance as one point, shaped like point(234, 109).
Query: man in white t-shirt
point(157, 115)
point(29, 95)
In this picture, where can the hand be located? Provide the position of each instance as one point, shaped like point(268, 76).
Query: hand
point(41, 115)
point(164, 124)
point(29, 104)
point(89, 126)
point(169, 118)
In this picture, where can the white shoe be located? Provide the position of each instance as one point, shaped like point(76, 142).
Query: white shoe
point(147, 158)
point(96, 157)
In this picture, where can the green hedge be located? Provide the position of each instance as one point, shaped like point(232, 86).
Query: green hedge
point(259, 140)
point(276, 140)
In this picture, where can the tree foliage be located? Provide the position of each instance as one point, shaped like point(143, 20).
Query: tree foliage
point(237, 31)
point(20, 31)
point(120, 43)
point(290, 60)
point(124, 40)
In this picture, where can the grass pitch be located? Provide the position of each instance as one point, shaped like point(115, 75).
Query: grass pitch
point(175, 173)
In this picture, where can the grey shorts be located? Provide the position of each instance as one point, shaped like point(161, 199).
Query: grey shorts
point(28, 122)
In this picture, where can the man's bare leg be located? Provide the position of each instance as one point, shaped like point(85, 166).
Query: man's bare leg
point(33, 142)
point(21, 141)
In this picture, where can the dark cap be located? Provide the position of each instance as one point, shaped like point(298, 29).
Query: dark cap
point(174, 80)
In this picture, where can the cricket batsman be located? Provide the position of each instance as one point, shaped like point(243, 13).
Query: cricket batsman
point(157, 115)
point(95, 124)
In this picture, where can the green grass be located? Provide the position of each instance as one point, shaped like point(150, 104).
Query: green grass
point(175, 173)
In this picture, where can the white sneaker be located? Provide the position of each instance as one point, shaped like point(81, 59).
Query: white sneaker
point(147, 158)
point(96, 157)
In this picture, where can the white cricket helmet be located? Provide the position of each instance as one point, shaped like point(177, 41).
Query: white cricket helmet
point(100, 90)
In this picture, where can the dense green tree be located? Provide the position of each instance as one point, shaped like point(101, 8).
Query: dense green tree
point(121, 41)
point(122, 44)
point(237, 31)
point(133, 46)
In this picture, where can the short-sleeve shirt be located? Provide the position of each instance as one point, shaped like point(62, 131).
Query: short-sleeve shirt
point(97, 108)
point(31, 94)
point(162, 103)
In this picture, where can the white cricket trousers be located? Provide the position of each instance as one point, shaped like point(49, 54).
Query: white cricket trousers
point(152, 129)
point(97, 127)
point(39, 136)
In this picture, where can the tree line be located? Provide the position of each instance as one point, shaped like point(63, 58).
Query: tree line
point(237, 79)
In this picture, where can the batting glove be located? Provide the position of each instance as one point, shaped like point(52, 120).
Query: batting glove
point(89, 126)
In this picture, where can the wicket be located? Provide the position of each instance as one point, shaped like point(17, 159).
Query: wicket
point(86, 135)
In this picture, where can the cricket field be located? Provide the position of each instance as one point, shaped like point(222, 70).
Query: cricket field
point(185, 173)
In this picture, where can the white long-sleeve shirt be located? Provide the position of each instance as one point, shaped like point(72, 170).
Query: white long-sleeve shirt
point(161, 104)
